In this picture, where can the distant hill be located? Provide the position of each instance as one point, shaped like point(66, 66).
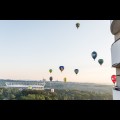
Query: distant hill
point(98, 88)
point(91, 87)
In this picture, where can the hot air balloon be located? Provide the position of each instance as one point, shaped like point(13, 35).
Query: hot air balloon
point(100, 61)
point(50, 70)
point(61, 68)
point(65, 79)
point(113, 78)
point(51, 78)
point(76, 71)
point(94, 55)
point(77, 25)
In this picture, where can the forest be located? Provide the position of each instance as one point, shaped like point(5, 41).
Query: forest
point(58, 94)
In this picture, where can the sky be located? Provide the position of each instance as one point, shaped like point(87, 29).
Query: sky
point(29, 48)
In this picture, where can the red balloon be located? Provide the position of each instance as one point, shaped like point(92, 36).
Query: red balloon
point(113, 78)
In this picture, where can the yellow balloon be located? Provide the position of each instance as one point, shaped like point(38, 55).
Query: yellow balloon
point(65, 79)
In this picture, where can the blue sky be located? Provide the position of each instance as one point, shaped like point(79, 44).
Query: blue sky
point(29, 48)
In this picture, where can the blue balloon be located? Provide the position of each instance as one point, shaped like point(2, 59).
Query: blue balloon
point(94, 55)
point(61, 68)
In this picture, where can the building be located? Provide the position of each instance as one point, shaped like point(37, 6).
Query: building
point(26, 85)
point(115, 55)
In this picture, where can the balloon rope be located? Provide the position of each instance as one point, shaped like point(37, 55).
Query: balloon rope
point(114, 84)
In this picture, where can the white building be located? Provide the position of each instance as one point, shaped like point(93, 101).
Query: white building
point(115, 55)
point(26, 85)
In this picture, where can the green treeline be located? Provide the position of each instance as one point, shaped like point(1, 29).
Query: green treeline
point(16, 94)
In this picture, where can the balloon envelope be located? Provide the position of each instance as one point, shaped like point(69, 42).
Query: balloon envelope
point(50, 70)
point(51, 78)
point(113, 78)
point(76, 71)
point(94, 55)
point(77, 25)
point(100, 61)
point(65, 79)
point(61, 68)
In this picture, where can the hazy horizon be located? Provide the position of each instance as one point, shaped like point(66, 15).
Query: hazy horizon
point(57, 81)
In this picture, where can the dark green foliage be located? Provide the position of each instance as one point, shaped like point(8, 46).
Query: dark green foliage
point(16, 94)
